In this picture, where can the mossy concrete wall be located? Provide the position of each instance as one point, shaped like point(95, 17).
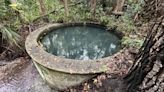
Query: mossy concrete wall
point(60, 80)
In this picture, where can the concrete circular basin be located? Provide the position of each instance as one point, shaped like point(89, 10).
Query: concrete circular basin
point(61, 72)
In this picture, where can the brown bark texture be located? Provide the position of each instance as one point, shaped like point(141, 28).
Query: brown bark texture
point(147, 72)
point(42, 7)
point(65, 4)
point(119, 7)
point(66, 7)
point(93, 6)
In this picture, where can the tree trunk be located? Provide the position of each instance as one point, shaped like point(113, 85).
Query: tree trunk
point(42, 7)
point(93, 6)
point(66, 7)
point(65, 4)
point(43, 10)
point(119, 7)
point(147, 72)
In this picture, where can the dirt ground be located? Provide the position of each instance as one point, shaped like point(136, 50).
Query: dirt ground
point(21, 76)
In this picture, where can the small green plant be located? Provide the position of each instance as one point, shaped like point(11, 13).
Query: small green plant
point(9, 35)
point(103, 68)
point(9, 22)
point(132, 42)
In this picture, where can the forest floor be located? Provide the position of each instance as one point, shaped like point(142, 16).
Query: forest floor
point(18, 74)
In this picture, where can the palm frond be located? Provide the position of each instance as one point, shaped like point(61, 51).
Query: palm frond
point(10, 35)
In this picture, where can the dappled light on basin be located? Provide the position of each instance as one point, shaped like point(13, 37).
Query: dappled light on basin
point(81, 42)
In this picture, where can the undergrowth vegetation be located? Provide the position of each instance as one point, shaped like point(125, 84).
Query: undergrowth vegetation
point(23, 12)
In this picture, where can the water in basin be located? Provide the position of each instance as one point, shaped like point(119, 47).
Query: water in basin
point(81, 42)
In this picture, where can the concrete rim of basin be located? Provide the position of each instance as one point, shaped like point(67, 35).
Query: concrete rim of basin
point(41, 56)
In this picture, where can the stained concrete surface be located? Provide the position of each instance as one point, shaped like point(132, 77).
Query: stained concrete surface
point(23, 79)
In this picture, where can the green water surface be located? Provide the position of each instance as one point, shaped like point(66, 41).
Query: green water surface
point(81, 42)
